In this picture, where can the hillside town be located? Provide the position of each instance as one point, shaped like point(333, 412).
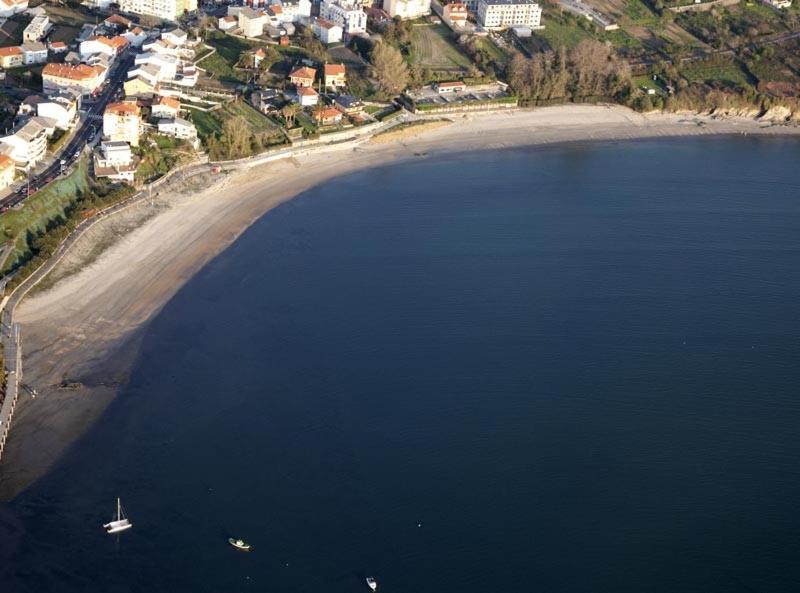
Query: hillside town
point(132, 89)
point(140, 74)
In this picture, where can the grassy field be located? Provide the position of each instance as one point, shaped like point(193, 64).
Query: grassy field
point(639, 13)
point(724, 71)
point(431, 47)
point(42, 207)
point(211, 122)
point(491, 49)
point(560, 31)
point(229, 51)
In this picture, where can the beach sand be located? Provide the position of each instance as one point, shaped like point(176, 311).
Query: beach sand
point(80, 334)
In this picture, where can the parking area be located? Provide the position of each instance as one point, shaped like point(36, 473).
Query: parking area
point(430, 96)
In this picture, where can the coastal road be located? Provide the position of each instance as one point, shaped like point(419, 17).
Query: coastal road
point(73, 149)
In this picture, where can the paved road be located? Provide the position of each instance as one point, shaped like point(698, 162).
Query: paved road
point(73, 149)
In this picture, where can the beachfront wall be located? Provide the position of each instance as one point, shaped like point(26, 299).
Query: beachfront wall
point(13, 369)
point(504, 103)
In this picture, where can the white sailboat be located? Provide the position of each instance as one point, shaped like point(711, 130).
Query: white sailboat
point(372, 583)
point(121, 523)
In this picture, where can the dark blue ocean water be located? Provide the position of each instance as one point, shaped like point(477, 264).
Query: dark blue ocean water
point(571, 369)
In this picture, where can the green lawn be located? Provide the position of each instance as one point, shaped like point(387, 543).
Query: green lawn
point(229, 51)
point(492, 50)
point(211, 122)
point(639, 13)
point(432, 47)
point(42, 207)
point(727, 72)
point(562, 31)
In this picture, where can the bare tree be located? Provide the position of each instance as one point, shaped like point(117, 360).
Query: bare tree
point(389, 68)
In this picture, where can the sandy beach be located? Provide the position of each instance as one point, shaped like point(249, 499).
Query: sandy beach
point(81, 328)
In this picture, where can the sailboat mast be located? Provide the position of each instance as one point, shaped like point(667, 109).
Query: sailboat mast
point(119, 509)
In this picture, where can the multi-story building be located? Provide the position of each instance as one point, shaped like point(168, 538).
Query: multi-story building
point(293, 11)
point(303, 77)
point(168, 10)
point(335, 76)
point(122, 122)
point(140, 86)
point(504, 14)
point(11, 57)
point(252, 22)
point(114, 160)
point(109, 46)
point(7, 171)
point(455, 15)
point(407, 9)
point(80, 77)
point(179, 128)
point(11, 7)
point(37, 28)
point(60, 107)
point(348, 14)
point(164, 65)
point(165, 107)
point(27, 144)
point(327, 31)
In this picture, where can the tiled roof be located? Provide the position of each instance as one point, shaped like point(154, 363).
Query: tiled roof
point(79, 72)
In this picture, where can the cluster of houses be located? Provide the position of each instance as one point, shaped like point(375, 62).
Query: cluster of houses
point(38, 118)
point(340, 20)
point(165, 62)
point(123, 127)
point(328, 106)
point(162, 65)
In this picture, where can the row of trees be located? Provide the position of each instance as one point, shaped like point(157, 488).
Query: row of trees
point(591, 69)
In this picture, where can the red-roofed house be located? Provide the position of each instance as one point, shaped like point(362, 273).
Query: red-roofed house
point(303, 77)
point(307, 96)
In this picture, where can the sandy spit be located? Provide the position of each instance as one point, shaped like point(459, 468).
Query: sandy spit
point(81, 333)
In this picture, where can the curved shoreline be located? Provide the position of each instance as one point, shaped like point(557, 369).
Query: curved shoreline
point(86, 328)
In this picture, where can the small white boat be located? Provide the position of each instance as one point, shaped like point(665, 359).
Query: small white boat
point(239, 544)
point(121, 523)
point(372, 583)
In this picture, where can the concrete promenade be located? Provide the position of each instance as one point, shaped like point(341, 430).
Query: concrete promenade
point(13, 370)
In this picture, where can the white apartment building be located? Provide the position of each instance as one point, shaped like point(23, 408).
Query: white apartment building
point(348, 14)
point(107, 46)
point(178, 127)
point(11, 7)
point(327, 31)
point(407, 9)
point(33, 52)
point(503, 14)
point(166, 65)
point(26, 145)
point(168, 10)
point(60, 107)
point(122, 123)
point(37, 28)
point(136, 37)
point(252, 22)
point(114, 160)
point(292, 11)
point(176, 36)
